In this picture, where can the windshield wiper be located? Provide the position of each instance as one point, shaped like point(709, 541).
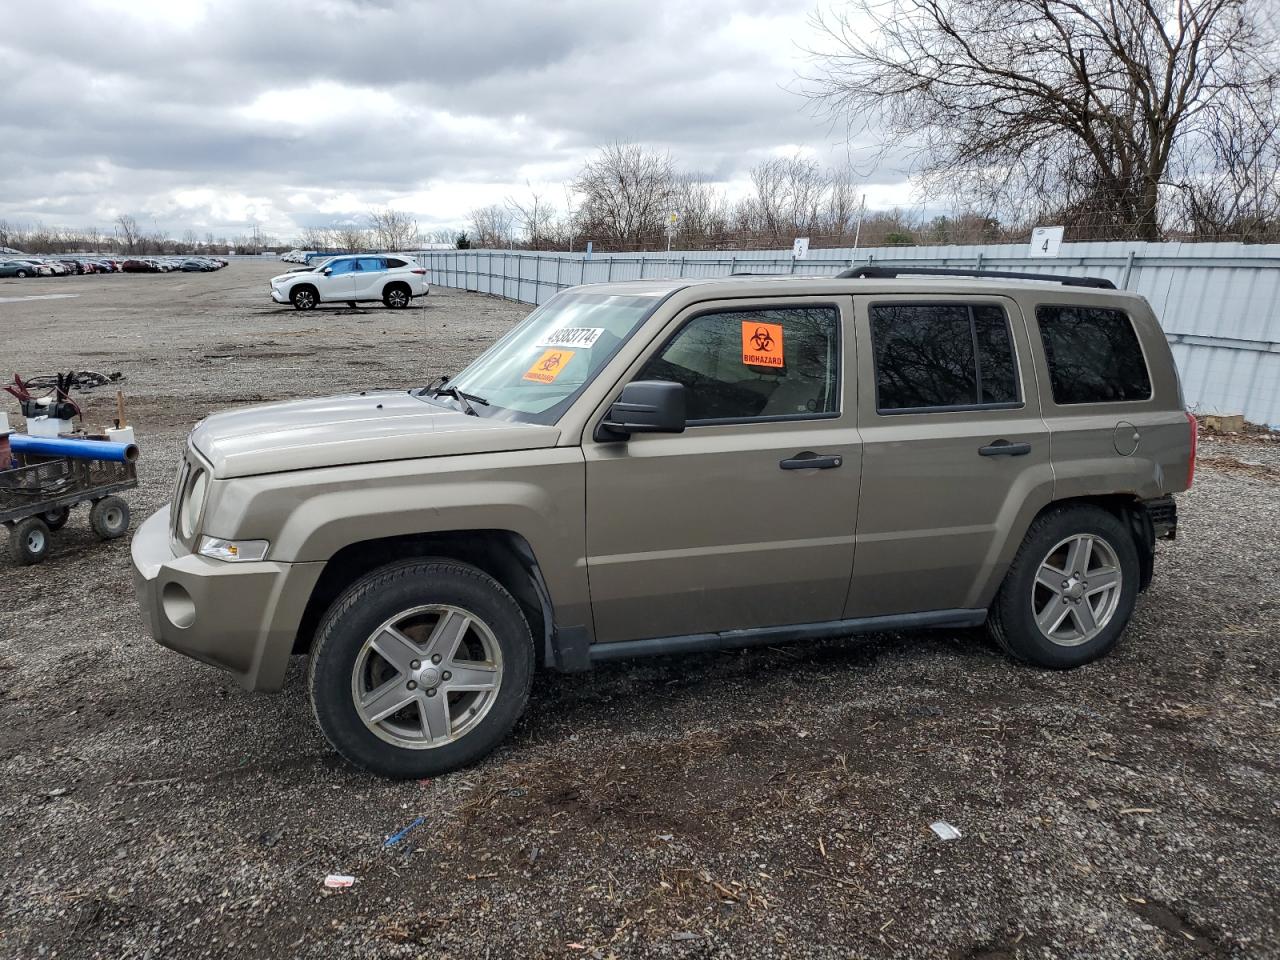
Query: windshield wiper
point(464, 399)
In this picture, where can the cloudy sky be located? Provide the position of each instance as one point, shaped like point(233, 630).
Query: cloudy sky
point(215, 114)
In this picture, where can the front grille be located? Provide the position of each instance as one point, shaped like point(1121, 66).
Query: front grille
point(179, 492)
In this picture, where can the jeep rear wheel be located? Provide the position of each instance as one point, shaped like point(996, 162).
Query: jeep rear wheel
point(420, 668)
point(1070, 590)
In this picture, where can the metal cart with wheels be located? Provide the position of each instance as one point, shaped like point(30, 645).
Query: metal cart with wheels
point(38, 497)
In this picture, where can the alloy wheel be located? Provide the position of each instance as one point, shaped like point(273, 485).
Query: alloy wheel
point(1077, 590)
point(427, 676)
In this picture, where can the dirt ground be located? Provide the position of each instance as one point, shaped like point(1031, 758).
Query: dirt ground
point(772, 803)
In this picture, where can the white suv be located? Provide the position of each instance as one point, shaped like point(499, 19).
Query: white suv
point(351, 280)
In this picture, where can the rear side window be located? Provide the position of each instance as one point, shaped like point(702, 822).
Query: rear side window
point(1093, 355)
point(372, 264)
point(755, 364)
point(942, 356)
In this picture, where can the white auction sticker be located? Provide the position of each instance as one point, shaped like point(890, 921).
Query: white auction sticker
point(571, 337)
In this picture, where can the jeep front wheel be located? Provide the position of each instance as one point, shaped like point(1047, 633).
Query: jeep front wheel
point(420, 668)
point(1070, 590)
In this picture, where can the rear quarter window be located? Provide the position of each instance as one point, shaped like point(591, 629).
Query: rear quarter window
point(1093, 355)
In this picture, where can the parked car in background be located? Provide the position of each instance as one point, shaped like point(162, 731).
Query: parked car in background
point(17, 268)
point(396, 281)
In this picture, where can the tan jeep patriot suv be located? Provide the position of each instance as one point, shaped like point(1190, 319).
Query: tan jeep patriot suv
point(674, 465)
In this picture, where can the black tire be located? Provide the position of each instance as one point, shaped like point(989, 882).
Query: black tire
point(304, 297)
point(374, 600)
point(28, 541)
point(1011, 621)
point(109, 518)
point(351, 304)
point(22, 274)
point(397, 296)
point(56, 519)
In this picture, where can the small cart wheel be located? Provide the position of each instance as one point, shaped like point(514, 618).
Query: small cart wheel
point(28, 541)
point(109, 518)
point(56, 519)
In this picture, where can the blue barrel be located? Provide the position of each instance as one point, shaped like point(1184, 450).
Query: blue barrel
point(74, 448)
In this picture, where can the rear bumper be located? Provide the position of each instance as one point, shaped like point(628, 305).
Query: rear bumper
point(240, 617)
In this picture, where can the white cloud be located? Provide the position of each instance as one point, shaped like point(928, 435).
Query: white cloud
point(293, 112)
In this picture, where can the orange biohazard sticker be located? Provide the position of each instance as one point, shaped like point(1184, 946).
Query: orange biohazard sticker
point(762, 344)
point(548, 366)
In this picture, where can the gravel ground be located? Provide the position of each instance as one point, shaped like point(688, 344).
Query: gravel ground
point(771, 803)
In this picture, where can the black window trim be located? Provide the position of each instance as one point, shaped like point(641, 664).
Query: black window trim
point(969, 304)
point(1142, 349)
point(778, 418)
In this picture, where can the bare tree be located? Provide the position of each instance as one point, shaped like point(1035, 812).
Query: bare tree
point(1073, 104)
point(627, 191)
point(492, 226)
point(350, 236)
point(393, 229)
point(128, 230)
point(534, 219)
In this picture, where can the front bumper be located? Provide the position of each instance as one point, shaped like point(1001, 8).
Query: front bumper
point(241, 617)
point(278, 296)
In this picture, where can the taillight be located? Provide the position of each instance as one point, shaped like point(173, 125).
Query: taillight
point(1195, 440)
point(421, 273)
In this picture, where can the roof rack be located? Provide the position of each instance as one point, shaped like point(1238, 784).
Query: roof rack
point(889, 273)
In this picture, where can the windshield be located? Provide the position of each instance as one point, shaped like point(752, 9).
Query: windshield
point(535, 371)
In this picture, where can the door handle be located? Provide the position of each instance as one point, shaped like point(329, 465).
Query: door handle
point(811, 461)
point(1003, 448)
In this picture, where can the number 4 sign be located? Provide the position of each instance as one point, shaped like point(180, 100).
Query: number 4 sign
point(1045, 241)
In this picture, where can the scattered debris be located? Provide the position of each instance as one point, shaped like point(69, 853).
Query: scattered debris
point(401, 834)
point(58, 792)
point(1128, 810)
point(339, 881)
point(271, 837)
point(680, 937)
point(944, 830)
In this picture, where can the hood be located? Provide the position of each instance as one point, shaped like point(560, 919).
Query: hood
point(334, 431)
point(291, 273)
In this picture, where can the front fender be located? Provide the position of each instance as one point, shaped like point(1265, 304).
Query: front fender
point(309, 515)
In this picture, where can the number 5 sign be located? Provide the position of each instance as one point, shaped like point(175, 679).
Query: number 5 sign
point(1045, 241)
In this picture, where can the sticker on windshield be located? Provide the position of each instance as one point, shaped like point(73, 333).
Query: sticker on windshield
point(548, 366)
point(571, 337)
point(762, 344)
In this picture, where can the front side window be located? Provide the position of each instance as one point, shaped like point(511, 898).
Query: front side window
point(942, 356)
point(753, 364)
point(534, 373)
point(339, 267)
point(1093, 355)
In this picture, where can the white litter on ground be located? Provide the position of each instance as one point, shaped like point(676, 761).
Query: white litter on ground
point(944, 830)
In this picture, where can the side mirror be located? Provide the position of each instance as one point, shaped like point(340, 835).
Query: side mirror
point(327, 270)
point(645, 406)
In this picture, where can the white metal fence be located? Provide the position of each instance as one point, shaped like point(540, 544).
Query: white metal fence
point(1219, 303)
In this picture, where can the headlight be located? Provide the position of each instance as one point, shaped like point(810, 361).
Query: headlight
point(192, 504)
point(233, 551)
